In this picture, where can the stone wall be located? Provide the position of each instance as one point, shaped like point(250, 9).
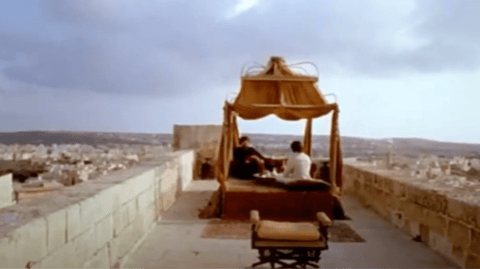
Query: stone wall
point(6, 191)
point(93, 224)
point(204, 139)
point(438, 217)
point(195, 136)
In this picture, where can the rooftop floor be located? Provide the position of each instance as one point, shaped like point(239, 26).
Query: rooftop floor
point(176, 241)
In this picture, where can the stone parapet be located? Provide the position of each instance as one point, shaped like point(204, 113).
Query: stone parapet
point(96, 223)
point(6, 190)
point(446, 219)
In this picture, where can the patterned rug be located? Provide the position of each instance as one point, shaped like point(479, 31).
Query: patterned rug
point(339, 232)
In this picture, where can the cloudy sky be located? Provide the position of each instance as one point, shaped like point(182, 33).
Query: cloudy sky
point(397, 68)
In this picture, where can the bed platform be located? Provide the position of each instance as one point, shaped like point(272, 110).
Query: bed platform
point(272, 202)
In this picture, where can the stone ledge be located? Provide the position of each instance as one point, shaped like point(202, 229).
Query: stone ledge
point(444, 220)
point(93, 224)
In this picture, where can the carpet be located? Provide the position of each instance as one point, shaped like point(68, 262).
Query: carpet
point(339, 232)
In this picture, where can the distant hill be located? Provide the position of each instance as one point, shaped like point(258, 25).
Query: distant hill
point(351, 146)
point(356, 146)
point(89, 138)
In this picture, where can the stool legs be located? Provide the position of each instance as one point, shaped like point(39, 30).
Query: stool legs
point(302, 258)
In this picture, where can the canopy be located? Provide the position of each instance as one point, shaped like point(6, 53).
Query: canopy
point(277, 90)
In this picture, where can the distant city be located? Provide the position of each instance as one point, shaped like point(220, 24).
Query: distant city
point(73, 157)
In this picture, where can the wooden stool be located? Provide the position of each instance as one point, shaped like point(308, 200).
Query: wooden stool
point(278, 242)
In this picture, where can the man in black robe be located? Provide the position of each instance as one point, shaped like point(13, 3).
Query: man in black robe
point(247, 161)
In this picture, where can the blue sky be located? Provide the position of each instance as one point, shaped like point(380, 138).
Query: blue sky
point(397, 68)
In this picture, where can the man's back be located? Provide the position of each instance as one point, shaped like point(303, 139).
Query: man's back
point(298, 166)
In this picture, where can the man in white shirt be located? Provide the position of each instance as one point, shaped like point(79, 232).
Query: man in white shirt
point(298, 165)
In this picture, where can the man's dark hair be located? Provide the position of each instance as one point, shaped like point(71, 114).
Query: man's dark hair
point(296, 146)
point(243, 139)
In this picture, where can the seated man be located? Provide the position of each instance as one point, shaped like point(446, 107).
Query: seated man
point(247, 161)
point(298, 165)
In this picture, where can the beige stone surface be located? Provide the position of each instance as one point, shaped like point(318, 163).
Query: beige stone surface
point(121, 244)
point(132, 210)
point(120, 219)
point(101, 259)
point(85, 244)
point(475, 241)
point(104, 231)
point(74, 222)
point(56, 230)
point(445, 221)
point(64, 257)
point(31, 241)
point(6, 190)
point(8, 254)
point(91, 224)
point(176, 242)
point(458, 233)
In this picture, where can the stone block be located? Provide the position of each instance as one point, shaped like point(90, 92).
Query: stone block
point(128, 191)
point(146, 199)
point(85, 245)
point(150, 196)
point(388, 185)
point(435, 222)
point(57, 230)
point(424, 233)
point(388, 200)
point(31, 241)
point(104, 231)
point(368, 178)
point(139, 226)
point(64, 257)
point(458, 233)
point(414, 212)
point(360, 176)
point(398, 204)
point(148, 216)
point(91, 212)
point(439, 243)
point(472, 261)
point(168, 197)
point(132, 210)
point(109, 199)
point(469, 214)
point(428, 199)
point(378, 181)
point(368, 191)
point(357, 187)
point(100, 259)
point(120, 219)
point(6, 193)
point(414, 228)
point(397, 218)
point(399, 189)
point(141, 182)
point(74, 222)
point(123, 243)
point(458, 254)
point(7, 254)
point(475, 241)
point(186, 163)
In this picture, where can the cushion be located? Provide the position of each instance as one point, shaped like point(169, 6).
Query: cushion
point(297, 231)
point(308, 184)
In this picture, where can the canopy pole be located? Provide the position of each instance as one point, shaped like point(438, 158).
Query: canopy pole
point(333, 152)
point(307, 139)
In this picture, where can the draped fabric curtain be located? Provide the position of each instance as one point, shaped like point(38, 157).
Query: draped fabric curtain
point(290, 96)
point(230, 137)
point(336, 162)
point(307, 138)
point(228, 142)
